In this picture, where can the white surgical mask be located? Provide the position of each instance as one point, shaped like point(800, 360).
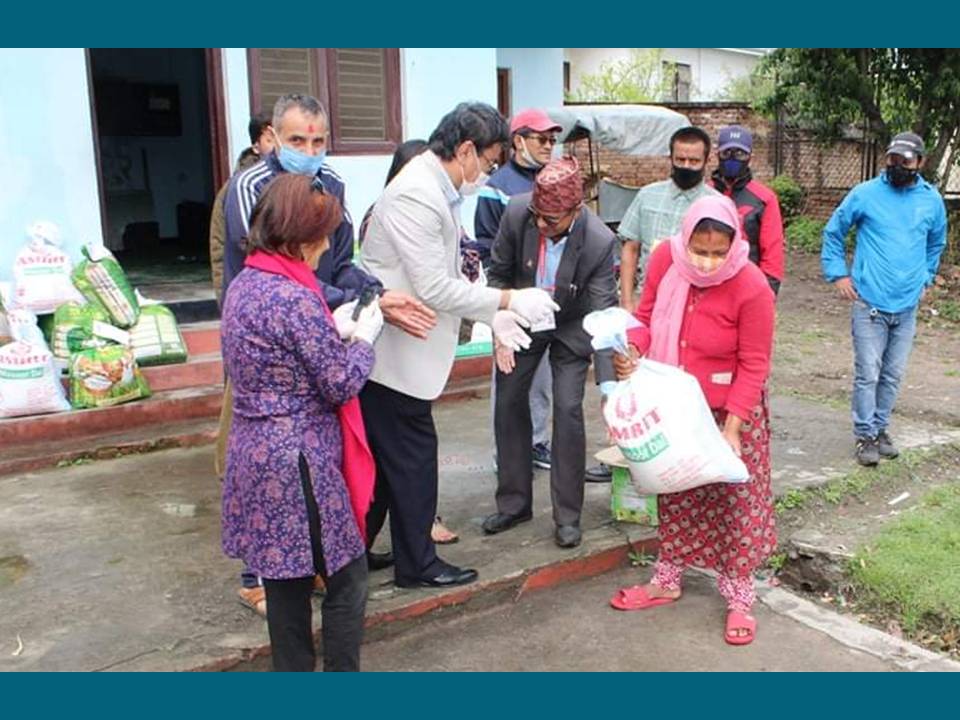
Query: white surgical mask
point(527, 157)
point(470, 187)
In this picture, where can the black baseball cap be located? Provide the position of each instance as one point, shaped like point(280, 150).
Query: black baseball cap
point(907, 144)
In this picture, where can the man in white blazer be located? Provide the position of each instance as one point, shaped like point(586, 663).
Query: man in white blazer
point(413, 245)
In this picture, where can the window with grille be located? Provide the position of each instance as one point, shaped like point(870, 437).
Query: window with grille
point(679, 79)
point(360, 87)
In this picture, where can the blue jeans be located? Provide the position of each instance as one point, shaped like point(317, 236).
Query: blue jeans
point(881, 346)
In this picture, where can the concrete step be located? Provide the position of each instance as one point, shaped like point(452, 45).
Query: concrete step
point(182, 412)
point(201, 337)
point(187, 311)
point(198, 371)
point(42, 454)
point(166, 406)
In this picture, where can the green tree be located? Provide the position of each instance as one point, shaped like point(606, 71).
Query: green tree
point(637, 79)
point(890, 89)
point(754, 89)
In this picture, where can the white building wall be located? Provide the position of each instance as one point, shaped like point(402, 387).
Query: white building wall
point(236, 82)
point(46, 142)
point(433, 81)
point(711, 68)
point(46, 133)
point(536, 76)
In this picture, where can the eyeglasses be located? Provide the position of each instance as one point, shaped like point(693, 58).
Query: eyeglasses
point(549, 220)
point(734, 154)
point(542, 139)
point(492, 165)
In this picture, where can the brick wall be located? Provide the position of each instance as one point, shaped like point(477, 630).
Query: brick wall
point(826, 173)
point(820, 204)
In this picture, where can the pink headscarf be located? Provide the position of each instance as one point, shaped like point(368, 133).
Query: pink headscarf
point(674, 288)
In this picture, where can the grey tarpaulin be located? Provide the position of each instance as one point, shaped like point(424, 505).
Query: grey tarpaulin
point(613, 200)
point(625, 129)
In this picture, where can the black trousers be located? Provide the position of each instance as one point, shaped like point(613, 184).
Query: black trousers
point(513, 429)
point(403, 439)
point(290, 612)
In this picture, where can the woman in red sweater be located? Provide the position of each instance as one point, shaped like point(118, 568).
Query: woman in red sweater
point(708, 310)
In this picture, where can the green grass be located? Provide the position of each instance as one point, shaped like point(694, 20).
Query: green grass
point(777, 561)
point(949, 310)
point(912, 568)
point(640, 558)
point(804, 234)
point(793, 500)
point(812, 336)
point(838, 403)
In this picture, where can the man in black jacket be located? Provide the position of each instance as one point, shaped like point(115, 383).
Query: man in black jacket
point(549, 240)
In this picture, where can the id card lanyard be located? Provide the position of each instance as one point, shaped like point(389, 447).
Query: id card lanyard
point(542, 267)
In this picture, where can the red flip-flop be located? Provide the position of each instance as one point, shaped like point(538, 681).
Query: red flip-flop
point(737, 621)
point(635, 598)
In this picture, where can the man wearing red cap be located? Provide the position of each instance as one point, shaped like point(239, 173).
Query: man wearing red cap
point(533, 136)
point(549, 240)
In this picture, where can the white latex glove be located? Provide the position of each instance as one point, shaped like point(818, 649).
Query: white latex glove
point(508, 330)
point(533, 304)
point(343, 319)
point(370, 323)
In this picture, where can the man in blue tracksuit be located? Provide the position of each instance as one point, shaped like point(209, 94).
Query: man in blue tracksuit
point(901, 232)
point(534, 136)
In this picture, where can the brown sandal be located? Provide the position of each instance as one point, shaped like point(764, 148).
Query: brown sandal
point(441, 534)
point(254, 598)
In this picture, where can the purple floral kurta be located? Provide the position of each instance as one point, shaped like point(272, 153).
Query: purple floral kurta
point(290, 371)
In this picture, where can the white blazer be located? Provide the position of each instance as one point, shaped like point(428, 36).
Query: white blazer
point(413, 245)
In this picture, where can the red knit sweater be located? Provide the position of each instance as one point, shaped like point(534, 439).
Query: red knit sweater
point(726, 339)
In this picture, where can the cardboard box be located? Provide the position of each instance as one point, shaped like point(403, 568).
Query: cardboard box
point(626, 504)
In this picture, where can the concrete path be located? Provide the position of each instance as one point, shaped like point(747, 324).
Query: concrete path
point(117, 564)
point(572, 628)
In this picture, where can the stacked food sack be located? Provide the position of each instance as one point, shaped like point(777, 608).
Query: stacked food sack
point(100, 332)
point(29, 380)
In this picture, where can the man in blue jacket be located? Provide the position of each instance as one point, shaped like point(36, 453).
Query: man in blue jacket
point(300, 127)
point(533, 135)
point(901, 232)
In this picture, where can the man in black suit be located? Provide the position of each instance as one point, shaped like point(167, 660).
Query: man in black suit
point(548, 239)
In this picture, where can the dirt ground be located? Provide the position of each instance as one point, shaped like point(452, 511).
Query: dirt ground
point(814, 357)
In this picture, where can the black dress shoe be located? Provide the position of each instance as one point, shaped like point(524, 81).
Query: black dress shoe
point(449, 576)
point(379, 561)
point(601, 473)
point(567, 536)
point(498, 522)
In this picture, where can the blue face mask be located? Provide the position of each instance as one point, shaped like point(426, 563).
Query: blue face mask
point(300, 163)
point(731, 168)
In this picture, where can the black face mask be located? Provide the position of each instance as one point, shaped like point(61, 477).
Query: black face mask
point(686, 178)
point(900, 177)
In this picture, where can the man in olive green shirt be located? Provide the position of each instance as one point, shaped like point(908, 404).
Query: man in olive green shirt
point(658, 208)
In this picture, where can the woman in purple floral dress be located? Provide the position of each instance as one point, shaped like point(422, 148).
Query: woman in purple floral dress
point(287, 510)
